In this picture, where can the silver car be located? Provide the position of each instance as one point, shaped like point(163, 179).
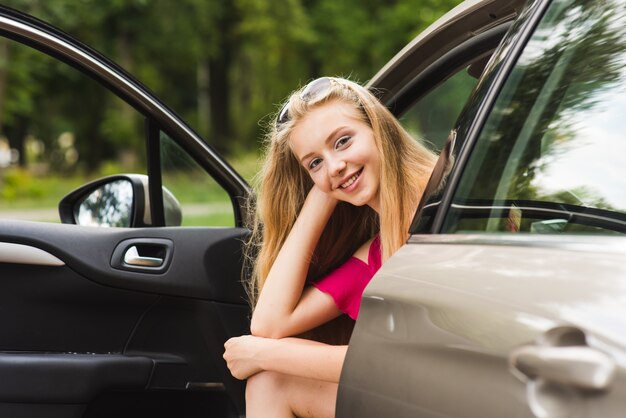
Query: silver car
point(509, 299)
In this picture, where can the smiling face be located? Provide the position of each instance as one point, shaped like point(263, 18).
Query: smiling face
point(338, 151)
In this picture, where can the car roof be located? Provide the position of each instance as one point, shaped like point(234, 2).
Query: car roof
point(468, 19)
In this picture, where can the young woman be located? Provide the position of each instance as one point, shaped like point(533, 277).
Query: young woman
point(340, 185)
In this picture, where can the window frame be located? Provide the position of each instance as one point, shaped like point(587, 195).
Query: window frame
point(41, 36)
point(470, 51)
point(430, 219)
point(439, 71)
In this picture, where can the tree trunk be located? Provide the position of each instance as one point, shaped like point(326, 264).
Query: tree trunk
point(204, 98)
point(219, 111)
point(219, 65)
point(17, 134)
point(4, 68)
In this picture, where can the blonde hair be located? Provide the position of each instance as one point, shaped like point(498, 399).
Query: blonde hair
point(284, 184)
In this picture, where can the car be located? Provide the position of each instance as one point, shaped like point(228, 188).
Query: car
point(507, 299)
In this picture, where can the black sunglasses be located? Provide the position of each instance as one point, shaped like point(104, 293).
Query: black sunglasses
point(312, 90)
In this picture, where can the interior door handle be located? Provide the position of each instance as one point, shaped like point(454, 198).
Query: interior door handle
point(132, 257)
point(143, 255)
point(582, 367)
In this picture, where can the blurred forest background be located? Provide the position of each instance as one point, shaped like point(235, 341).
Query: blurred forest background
point(223, 65)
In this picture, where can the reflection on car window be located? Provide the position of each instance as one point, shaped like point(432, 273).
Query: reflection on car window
point(434, 115)
point(203, 202)
point(550, 158)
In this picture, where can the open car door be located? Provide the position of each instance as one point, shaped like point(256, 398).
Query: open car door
point(128, 320)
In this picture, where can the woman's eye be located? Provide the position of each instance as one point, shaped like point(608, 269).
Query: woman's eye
point(314, 163)
point(341, 142)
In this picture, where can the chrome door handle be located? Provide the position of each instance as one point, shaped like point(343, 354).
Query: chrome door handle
point(132, 258)
point(582, 367)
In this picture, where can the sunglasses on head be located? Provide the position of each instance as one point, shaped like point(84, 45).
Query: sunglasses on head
point(312, 90)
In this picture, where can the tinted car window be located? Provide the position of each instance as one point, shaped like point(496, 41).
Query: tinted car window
point(56, 136)
point(432, 117)
point(550, 157)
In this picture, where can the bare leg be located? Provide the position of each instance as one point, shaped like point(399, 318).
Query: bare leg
point(277, 395)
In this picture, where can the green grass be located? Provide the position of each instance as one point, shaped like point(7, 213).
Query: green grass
point(20, 189)
point(213, 219)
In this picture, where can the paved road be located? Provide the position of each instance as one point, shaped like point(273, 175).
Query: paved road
point(45, 214)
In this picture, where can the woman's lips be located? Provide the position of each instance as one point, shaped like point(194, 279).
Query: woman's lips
point(351, 181)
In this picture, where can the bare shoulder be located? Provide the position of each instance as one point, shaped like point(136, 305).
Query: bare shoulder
point(364, 250)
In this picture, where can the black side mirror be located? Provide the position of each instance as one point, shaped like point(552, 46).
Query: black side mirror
point(116, 201)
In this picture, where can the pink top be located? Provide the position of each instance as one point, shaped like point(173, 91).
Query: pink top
point(347, 283)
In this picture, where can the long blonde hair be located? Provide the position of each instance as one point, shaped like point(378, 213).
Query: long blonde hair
point(284, 184)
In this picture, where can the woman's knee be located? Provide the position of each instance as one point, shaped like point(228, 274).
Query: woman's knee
point(265, 395)
point(265, 382)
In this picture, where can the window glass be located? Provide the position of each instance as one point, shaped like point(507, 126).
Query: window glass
point(550, 158)
point(59, 129)
point(202, 200)
point(434, 115)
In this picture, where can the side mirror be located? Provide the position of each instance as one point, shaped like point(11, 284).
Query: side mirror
point(116, 201)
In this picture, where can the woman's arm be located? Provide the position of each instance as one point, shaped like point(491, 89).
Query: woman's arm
point(284, 308)
point(248, 355)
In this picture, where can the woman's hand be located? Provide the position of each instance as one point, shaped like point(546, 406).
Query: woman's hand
point(323, 202)
point(249, 355)
point(242, 355)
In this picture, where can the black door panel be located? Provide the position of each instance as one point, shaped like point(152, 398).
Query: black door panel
point(55, 309)
point(116, 330)
point(205, 262)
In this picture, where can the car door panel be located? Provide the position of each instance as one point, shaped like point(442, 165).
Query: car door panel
point(463, 312)
point(74, 314)
point(197, 254)
point(55, 309)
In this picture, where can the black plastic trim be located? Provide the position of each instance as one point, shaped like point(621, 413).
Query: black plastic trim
point(153, 147)
point(68, 378)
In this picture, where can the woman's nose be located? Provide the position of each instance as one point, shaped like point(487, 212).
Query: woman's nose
point(337, 166)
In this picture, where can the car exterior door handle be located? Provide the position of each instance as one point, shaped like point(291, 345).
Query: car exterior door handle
point(132, 257)
point(581, 367)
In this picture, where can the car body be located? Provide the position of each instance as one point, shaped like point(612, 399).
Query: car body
point(499, 304)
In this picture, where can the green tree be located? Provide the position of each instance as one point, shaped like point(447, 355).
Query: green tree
point(223, 65)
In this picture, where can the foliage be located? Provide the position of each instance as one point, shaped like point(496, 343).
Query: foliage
point(258, 51)
point(223, 65)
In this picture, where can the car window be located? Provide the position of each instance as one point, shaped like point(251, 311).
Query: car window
point(60, 129)
point(202, 200)
point(550, 157)
point(433, 116)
